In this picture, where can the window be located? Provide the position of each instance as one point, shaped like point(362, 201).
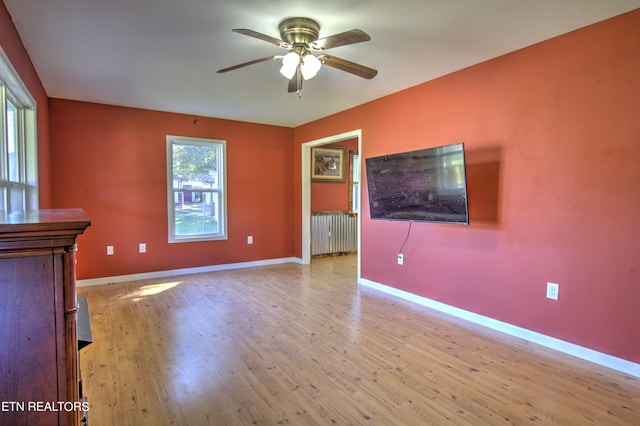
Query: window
point(196, 181)
point(18, 149)
point(355, 184)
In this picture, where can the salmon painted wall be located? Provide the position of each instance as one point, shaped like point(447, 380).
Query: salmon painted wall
point(331, 196)
point(14, 50)
point(552, 142)
point(111, 161)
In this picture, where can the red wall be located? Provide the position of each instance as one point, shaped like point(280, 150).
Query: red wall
point(111, 161)
point(553, 150)
point(552, 139)
point(332, 196)
point(14, 49)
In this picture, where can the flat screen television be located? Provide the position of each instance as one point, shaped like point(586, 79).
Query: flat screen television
point(427, 185)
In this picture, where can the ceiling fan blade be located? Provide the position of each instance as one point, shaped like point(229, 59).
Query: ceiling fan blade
point(295, 84)
point(262, 37)
point(342, 39)
point(348, 66)
point(246, 64)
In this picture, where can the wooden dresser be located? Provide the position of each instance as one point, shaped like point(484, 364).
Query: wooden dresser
point(38, 314)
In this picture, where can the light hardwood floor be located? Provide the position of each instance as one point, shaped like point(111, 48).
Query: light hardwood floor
point(305, 345)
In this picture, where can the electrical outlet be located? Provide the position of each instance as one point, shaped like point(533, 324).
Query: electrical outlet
point(250, 239)
point(552, 291)
point(142, 248)
point(109, 250)
point(400, 259)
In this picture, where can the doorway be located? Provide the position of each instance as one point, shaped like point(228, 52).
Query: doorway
point(306, 191)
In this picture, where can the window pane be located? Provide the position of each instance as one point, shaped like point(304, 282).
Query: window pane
point(355, 168)
point(17, 199)
point(195, 166)
point(32, 197)
point(355, 185)
point(12, 143)
point(196, 213)
point(30, 154)
point(355, 197)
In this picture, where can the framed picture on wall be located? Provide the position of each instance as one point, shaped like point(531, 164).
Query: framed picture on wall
point(328, 164)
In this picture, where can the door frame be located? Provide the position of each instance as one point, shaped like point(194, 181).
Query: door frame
point(306, 189)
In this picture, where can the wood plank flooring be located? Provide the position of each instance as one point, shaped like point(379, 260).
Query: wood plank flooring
point(305, 345)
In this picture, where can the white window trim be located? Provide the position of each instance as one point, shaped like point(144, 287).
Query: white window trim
point(222, 174)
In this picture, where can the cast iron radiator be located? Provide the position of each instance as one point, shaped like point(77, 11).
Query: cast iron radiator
point(334, 232)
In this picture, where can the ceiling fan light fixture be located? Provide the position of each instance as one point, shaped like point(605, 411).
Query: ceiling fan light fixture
point(310, 66)
point(290, 63)
point(300, 36)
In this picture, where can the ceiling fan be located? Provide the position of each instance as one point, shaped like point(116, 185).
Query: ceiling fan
point(300, 37)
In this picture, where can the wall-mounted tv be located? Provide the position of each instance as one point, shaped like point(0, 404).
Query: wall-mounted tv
point(427, 185)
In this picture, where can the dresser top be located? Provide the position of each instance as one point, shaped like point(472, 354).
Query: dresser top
point(50, 221)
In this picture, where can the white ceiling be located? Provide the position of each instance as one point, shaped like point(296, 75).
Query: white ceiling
point(164, 54)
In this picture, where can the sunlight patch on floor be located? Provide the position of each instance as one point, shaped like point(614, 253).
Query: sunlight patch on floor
point(150, 290)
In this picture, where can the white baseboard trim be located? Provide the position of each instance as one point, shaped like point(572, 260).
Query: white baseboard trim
point(587, 354)
point(185, 271)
